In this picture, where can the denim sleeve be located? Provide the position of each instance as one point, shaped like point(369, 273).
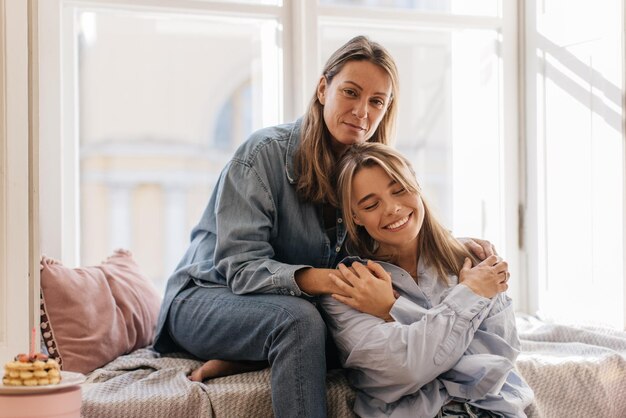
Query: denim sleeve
point(393, 359)
point(245, 217)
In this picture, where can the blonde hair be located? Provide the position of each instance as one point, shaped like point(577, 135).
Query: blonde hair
point(314, 159)
point(434, 242)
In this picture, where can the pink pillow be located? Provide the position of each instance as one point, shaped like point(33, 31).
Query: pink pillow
point(92, 315)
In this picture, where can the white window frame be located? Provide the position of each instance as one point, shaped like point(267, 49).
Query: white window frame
point(18, 273)
point(60, 234)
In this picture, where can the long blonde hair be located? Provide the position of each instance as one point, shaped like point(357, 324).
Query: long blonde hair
point(314, 160)
point(434, 242)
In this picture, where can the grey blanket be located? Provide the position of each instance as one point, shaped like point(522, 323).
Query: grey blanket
point(574, 371)
point(145, 385)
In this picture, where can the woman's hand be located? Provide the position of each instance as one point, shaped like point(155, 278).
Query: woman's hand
point(488, 278)
point(365, 288)
point(479, 247)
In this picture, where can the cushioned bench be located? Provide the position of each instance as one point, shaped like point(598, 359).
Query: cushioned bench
point(575, 372)
point(93, 316)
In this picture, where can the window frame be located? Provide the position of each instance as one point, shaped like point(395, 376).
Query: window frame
point(60, 234)
point(300, 41)
point(19, 279)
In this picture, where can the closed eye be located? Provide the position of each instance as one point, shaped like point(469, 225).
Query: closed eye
point(371, 206)
point(400, 191)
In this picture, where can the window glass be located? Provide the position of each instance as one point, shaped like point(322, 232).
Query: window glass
point(460, 7)
point(164, 101)
point(576, 110)
point(448, 120)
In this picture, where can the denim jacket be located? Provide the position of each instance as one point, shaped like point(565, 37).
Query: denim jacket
point(255, 232)
point(446, 343)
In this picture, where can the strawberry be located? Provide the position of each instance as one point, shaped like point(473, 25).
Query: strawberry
point(41, 357)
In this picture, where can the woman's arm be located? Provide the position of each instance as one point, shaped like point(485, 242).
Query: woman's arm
point(393, 360)
point(497, 334)
point(245, 210)
point(316, 281)
point(369, 288)
point(244, 218)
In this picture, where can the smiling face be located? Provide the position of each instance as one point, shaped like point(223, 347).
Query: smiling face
point(354, 101)
point(390, 214)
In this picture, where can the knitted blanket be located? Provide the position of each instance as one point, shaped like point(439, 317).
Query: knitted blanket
point(574, 372)
point(145, 385)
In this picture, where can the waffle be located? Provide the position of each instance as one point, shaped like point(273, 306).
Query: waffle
point(35, 370)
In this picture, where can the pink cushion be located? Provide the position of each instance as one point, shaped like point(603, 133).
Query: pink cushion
point(92, 315)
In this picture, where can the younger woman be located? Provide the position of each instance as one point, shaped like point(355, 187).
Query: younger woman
point(448, 344)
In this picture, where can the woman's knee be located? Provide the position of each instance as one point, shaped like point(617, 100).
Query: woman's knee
point(302, 319)
point(305, 313)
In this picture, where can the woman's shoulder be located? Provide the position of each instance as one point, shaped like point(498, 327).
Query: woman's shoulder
point(271, 141)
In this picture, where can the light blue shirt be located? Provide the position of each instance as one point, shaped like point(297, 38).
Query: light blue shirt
point(446, 343)
point(255, 232)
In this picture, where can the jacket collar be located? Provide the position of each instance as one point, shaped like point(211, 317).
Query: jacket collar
point(292, 146)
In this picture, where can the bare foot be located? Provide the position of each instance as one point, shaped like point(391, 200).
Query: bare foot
point(219, 368)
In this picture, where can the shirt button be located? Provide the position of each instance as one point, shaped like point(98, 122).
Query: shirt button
point(337, 249)
point(339, 220)
point(292, 293)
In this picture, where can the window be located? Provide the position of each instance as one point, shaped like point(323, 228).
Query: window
point(449, 107)
point(164, 101)
point(163, 98)
point(576, 160)
point(156, 98)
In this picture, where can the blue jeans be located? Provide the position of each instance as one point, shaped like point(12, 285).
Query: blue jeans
point(464, 410)
point(289, 332)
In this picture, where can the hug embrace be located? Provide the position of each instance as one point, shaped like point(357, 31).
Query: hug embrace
point(420, 318)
